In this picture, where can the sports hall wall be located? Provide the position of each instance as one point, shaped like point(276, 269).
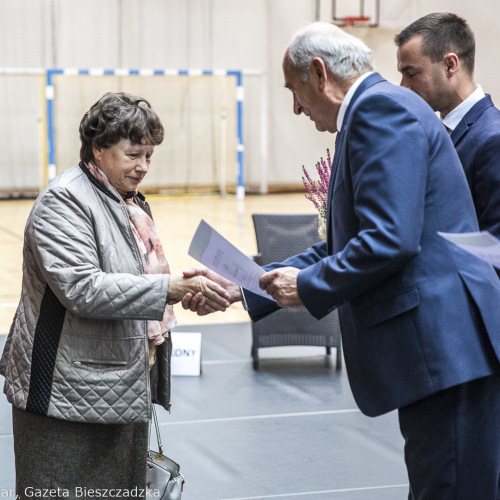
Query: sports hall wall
point(231, 34)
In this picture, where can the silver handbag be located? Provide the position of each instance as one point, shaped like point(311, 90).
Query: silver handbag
point(163, 476)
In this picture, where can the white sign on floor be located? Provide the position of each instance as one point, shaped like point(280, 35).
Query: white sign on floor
point(186, 353)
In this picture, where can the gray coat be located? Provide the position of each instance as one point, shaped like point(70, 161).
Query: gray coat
point(78, 347)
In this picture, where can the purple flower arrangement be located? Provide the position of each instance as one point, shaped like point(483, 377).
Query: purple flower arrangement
point(317, 191)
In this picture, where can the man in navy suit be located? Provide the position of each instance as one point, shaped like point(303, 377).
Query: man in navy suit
point(436, 59)
point(419, 317)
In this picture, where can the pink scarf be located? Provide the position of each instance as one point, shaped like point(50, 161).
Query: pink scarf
point(150, 249)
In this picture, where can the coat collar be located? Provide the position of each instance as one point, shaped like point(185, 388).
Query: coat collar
point(365, 84)
point(470, 118)
point(339, 143)
point(102, 188)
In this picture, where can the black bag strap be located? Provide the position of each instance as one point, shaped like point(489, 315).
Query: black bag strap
point(154, 419)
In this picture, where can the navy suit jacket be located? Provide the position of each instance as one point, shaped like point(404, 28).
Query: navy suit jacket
point(417, 314)
point(477, 141)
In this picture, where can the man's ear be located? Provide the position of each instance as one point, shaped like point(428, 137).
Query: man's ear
point(318, 73)
point(451, 64)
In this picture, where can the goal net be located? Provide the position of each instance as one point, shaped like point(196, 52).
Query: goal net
point(199, 113)
point(202, 113)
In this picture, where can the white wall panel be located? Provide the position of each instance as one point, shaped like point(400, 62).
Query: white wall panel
point(241, 34)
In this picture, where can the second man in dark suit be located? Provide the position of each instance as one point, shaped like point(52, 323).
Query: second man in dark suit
point(436, 59)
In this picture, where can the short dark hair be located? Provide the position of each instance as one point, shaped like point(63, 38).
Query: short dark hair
point(116, 116)
point(442, 32)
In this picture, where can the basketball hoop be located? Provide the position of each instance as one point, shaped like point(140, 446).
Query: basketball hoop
point(368, 15)
point(356, 21)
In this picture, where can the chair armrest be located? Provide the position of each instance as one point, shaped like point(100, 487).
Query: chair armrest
point(257, 259)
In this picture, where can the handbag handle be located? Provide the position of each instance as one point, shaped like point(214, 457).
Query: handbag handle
point(154, 418)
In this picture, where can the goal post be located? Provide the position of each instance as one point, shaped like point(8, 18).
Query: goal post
point(201, 110)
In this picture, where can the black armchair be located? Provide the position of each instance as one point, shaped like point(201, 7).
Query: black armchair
point(280, 236)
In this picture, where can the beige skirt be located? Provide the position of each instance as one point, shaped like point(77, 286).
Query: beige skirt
point(73, 458)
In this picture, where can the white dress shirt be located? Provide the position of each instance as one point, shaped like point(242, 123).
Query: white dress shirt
point(454, 117)
point(348, 97)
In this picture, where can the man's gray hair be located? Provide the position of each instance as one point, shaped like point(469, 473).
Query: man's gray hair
point(344, 55)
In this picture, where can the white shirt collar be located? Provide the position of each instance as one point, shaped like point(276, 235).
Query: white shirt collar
point(348, 97)
point(454, 117)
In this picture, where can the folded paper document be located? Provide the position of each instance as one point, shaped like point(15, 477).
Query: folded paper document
point(481, 244)
point(218, 254)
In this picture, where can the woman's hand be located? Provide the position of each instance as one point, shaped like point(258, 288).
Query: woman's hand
point(197, 303)
point(215, 297)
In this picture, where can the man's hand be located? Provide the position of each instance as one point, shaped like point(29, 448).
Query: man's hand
point(281, 284)
point(197, 303)
point(215, 297)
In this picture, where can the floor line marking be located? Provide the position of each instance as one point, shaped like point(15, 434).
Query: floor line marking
point(250, 417)
point(11, 233)
point(261, 417)
point(323, 492)
point(249, 359)
point(226, 361)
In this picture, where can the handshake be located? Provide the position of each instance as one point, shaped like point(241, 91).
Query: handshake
point(203, 291)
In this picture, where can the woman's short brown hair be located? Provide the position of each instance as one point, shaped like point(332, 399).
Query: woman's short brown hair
point(116, 116)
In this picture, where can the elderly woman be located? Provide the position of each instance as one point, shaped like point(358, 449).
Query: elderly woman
point(89, 347)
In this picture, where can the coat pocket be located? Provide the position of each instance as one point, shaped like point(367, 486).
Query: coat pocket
point(384, 309)
point(100, 364)
point(97, 354)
